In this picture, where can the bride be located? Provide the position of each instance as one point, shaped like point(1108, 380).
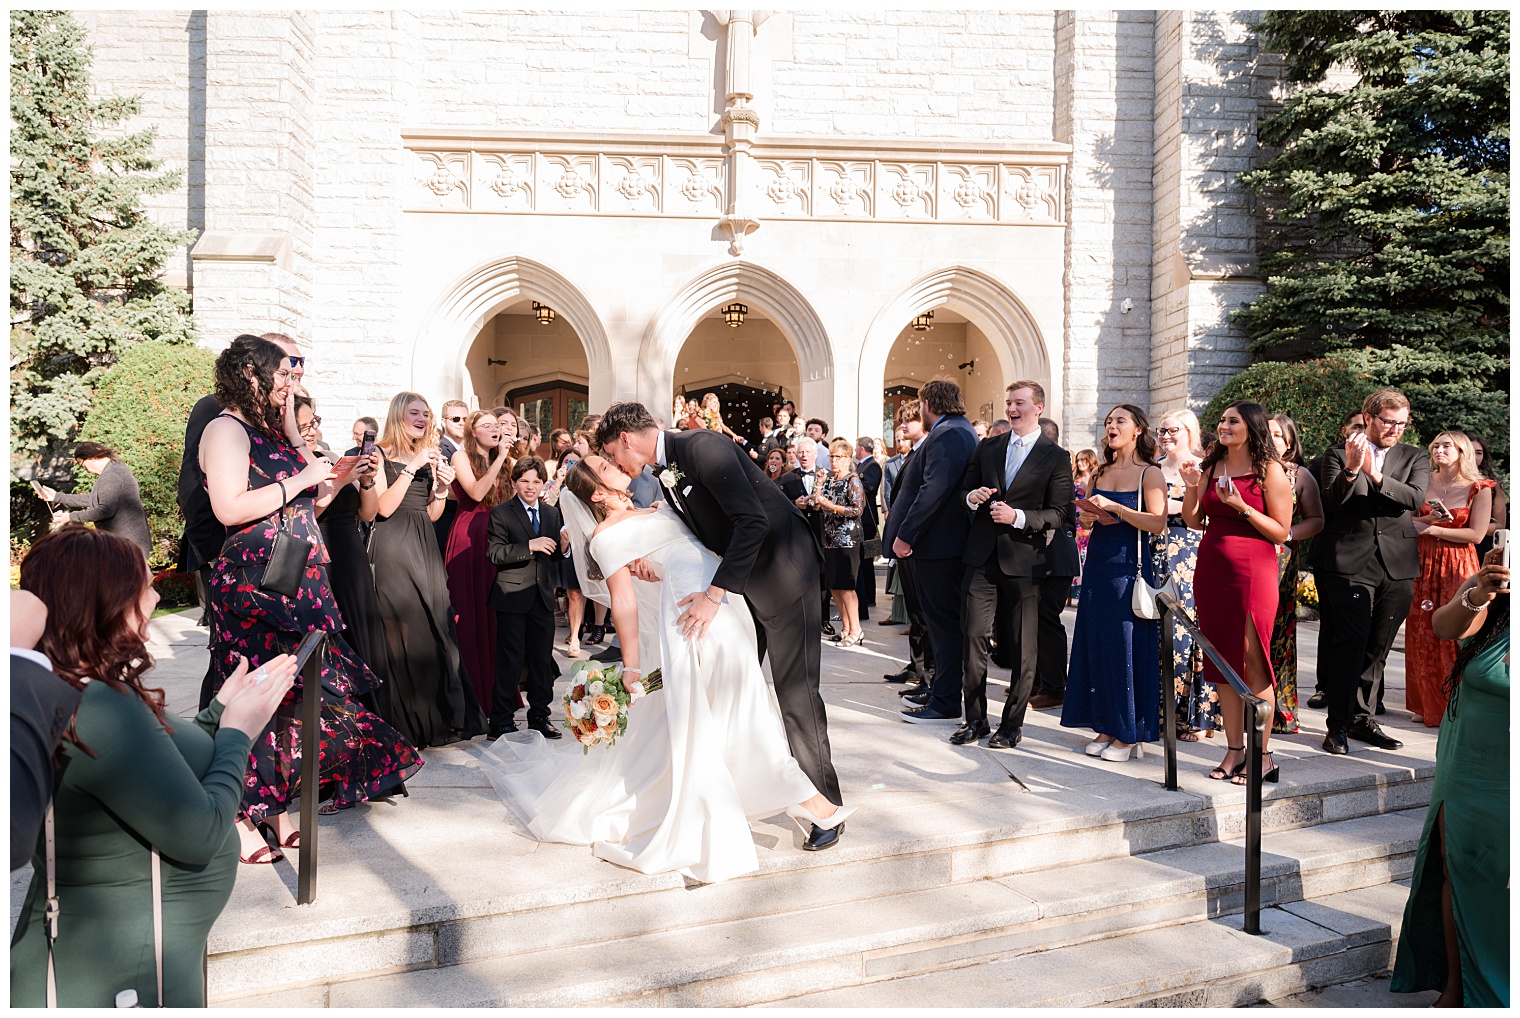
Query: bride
point(700, 755)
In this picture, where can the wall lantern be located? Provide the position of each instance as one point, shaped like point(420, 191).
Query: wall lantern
point(922, 322)
point(734, 314)
point(543, 313)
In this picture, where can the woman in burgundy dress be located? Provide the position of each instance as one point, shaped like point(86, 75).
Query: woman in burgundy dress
point(262, 476)
point(1241, 499)
point(478, 471)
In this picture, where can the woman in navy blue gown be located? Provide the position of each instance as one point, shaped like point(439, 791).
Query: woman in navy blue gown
point(1112, 686)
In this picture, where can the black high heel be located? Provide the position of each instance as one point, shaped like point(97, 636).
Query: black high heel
point(1271, 775)
point(1220, 774)
point(598, 634)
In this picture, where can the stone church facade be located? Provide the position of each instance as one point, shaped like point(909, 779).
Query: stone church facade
point(398, 189)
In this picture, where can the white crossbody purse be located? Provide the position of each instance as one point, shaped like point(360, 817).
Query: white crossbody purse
point(51, 909)
point(1142, 599)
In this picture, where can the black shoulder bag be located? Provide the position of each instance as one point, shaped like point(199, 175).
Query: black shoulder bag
point(287, 557)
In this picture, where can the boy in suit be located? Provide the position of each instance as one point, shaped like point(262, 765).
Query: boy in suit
point(523, 536)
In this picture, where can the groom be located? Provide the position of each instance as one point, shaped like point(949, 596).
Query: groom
point(768, 554)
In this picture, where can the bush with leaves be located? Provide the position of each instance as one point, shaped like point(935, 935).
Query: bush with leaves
point(141, 407)
point(86, 261)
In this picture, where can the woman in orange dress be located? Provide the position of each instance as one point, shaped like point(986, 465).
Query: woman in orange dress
point(1448, 556)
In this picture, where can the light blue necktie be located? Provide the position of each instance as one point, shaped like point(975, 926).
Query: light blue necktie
point(1016, 456)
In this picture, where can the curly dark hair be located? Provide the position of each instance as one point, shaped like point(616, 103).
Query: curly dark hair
point(92, 630)
point(620, 418)
point(1258, 441)
point(235, 391)
point(1145, 442)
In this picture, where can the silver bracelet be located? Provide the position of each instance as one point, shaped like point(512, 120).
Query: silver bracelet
point(710, 598)
point(1468, 604)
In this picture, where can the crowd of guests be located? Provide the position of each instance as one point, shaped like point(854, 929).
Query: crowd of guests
point(433, 552)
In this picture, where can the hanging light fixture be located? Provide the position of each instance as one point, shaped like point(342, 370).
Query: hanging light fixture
point(734, 314)
point(543, 313)
point(923, 322)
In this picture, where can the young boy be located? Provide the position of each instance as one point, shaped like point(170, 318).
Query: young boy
point(524, 535)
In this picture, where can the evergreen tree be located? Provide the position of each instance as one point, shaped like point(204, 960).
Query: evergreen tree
point(85, 259)
point(1388, 203)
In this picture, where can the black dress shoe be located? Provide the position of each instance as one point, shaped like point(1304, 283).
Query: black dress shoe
point(1317, 701)
point(546, 729)
point(828, 629)
point(1335, 742)
point(926, 715)
point(1381, 710)
point(821, 839)
point(1371, 732)
point(608, 655)
point(971, 731)
point(906, 675)
point(1005, 738)
point(497, 733)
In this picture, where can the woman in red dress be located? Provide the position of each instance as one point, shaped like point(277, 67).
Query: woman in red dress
point(478, 469)
point(1241, 499)
point(1448, 555)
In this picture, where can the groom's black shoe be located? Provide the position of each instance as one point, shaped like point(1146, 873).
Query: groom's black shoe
point(821, 839)
point(608, 655)
point(971, 731)
point(1005, 738)
point(546, 729)
point(906, 675)
point(497, 733)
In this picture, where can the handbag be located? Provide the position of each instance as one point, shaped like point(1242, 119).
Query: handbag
point(1143, 598)
point(871, 549)
point(124, 998)
point(287, 556)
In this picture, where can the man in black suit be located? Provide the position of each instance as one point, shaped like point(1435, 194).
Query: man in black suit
point(1063, 562)
point(802, 487)
point(204, 533)
point(1353, 423)
point(523, 538)
point(870, 482)
point(1019, 487)
point(768, 554)
point(920, 667)
point(929, 523)
point(42, 706)
point(1368, 558)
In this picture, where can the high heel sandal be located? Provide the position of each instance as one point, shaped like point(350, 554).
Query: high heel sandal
point(1272, 775)
point(1220, 774)
point(1114, 752)
point(292, 841)
point(1097, 746)
point(802, 817)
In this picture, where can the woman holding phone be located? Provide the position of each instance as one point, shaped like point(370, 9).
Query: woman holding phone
point(1452, 522)
point(1111, 685)
point(434, 703)
point(1241, 497)
point(480, 466)
point(264, 479)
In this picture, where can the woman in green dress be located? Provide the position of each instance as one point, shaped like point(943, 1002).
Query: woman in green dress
point(1456, 925)
point(130, 776)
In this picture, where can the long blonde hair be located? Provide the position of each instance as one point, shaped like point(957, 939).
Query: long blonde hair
point(1191, 431)
point(1467, 461)
point(396, 441)
point(478, 462)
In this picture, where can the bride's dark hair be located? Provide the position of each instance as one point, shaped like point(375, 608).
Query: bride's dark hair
point(582, 482)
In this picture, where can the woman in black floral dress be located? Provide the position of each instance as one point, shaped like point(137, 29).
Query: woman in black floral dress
point(258, 470)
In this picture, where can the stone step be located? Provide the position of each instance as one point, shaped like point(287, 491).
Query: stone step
point(370, 919)
point(1209, 963)
point(782, 948)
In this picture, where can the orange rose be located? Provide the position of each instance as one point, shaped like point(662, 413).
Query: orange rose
point(605, 703)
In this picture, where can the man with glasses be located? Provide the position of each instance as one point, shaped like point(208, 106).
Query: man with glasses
point(1367, 559)
point(204, 533)
point(1353, 423)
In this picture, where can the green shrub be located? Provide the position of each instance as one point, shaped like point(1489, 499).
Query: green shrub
point(1317, 394)
point(29, 518)
point(140, 409)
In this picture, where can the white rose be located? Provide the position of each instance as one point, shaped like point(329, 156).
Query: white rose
point(578, 709)
point(604, 721)
point(668, 477)
point(596, 688)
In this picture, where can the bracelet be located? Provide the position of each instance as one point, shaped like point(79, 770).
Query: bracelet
point(1466, 603)
point(366, 487)
point(408, 472)
point(710, 598)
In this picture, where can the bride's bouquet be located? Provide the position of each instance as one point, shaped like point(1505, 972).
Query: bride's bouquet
point(596, 708)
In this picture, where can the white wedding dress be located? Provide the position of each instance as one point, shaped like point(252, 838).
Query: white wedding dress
point(699, 757)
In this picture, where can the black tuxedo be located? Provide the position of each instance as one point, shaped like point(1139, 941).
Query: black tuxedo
point(768, 554)
point(1366, 560)
point(920, 652)
point(1007, 562)
point(814, 517)
point(523, 598)
point(927, 516)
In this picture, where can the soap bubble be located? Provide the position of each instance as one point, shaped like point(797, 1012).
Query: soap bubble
point(1427, 605)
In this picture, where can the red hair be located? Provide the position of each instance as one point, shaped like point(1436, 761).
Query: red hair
point(91, 582)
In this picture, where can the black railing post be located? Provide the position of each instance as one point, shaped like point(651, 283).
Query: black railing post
point(1258, 716)
point(311, 733)
point(1168, 697)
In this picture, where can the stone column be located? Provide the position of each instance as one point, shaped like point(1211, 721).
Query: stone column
point(1208, 91)
point(740, 123)
point(1103, 110)
point(252, 265)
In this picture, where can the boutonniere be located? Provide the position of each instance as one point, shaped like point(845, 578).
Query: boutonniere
point(671, 475)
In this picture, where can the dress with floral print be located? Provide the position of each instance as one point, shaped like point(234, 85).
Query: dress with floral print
point(361, 755)
point(1176, 555)
point(1284, 650)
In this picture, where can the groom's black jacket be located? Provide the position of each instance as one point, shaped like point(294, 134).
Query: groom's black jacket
point(769, 552)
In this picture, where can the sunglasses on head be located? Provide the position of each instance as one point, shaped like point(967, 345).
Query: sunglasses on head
point(295, 361)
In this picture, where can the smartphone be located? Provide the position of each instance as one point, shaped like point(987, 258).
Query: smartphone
point(1440, 509)
point(1501, 541)
point(368, 445)
point(37, 487)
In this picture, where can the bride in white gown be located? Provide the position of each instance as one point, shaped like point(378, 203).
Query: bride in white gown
point(700, 755)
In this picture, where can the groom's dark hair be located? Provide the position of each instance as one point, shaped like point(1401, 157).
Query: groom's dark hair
point(621, 417)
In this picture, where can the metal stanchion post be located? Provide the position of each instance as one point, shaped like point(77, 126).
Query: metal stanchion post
point(311, 732)
point(1168, 694)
